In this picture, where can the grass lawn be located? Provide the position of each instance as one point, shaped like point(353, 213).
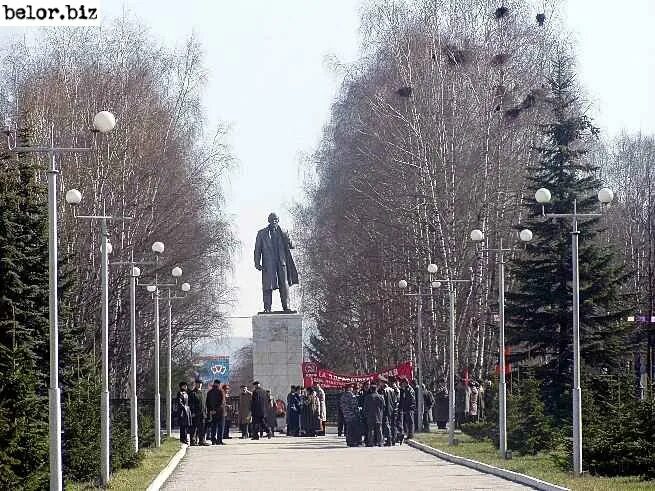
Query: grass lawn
point(141, 476)
point(541, 466)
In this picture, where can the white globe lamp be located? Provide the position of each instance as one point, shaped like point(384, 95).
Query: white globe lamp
point(542, 196)
point(477, 235)
point(525, 235)
point(104, 121)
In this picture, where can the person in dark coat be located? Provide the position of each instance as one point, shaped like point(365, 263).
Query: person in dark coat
point(259, 411)
point(271, 414)
point(441, 405)
point(348, 406)
point(407, 407)
point(397, 421)
point(198, 414)
point(293, 411)
point(341, 423)
point(460, 403)
point(183, 412)
point(374, 409)
point(216, 412)
point(273, 258)
point(362, 411)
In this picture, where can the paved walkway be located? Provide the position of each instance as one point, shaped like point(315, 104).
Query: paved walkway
point(288, 463)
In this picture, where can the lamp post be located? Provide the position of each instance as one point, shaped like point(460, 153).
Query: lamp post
point(525, 236)
point(432, 269)
point(103, 122)
point(74, 198)
point(605, 196)
point(175, 273)
point(419, 347)
point(185, 287)
point(135, 272)
point(158, 248)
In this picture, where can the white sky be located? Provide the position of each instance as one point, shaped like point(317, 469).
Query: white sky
point(268, 80)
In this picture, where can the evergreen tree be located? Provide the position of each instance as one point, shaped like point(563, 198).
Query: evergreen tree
point(23, 324)
point(539, 309)
point(529, 428)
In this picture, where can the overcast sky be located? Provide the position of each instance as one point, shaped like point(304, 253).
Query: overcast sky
point(269, 81)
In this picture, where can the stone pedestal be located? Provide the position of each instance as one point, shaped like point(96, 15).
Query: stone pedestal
point(277, 352)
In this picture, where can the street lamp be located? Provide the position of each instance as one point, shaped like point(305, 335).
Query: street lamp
point(605, 196)
point(176, 272)
point(419, 348)
point(477, 236)
point(74, 198)
point(135, 272)
point(102, 123)
point(432, 269)
point(185, 287)
point(435, 284)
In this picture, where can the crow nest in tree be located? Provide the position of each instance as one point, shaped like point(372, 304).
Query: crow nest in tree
point(541, 18)
point(404, 91)
point(455, 55)
point(501, 12)
point(532, 98)
point(499, 59)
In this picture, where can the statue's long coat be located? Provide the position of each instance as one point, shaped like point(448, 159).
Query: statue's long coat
point(265, 252)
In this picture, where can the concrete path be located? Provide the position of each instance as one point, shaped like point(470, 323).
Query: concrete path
point(288, 463)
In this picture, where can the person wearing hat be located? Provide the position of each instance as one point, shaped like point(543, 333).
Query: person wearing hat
point(198, 414)
point(216, 412)
point(259, 409)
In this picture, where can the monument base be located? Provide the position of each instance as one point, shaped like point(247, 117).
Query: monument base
point(277, 352)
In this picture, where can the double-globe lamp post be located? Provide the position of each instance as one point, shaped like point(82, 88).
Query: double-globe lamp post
point(103, 122)
point(478, 236)
point(158, 248)
point(74, 198)
point(605, 197)
point(432, 269)
point(175, 273)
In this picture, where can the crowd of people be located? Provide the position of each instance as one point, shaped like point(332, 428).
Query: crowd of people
point(377, 414)
point(306, 411)
point(206, 420)
point(371, 414)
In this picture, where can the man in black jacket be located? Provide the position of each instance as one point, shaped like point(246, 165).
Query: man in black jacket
point(216, 412)
point(390, 407)
point(198, 414)
point(259, 409)
point(374, 409)
point(407, 407)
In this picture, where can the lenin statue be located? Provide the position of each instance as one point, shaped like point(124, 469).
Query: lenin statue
point(273, 259)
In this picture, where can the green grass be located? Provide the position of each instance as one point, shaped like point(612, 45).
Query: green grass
point(141, 476)
point(541, 466)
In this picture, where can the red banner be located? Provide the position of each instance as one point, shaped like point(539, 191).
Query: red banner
point(312, 373)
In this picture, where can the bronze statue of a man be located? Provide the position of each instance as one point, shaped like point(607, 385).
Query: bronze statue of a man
point(273, 259)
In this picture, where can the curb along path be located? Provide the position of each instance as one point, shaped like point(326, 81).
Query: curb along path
point(474, 464)
point(288, 463)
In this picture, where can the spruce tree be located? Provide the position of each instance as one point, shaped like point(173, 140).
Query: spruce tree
point(539, 310)
point(23, 324)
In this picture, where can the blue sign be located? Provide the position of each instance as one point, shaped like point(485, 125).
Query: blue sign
point(210, 368)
